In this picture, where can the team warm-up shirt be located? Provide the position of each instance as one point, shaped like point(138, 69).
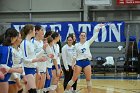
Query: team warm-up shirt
point(83, 50)
point(68, 54)
point(29, 54)
point(17, 58)
point(42, 65)
point(49, 60)
point(56, 51)
point(38, 47)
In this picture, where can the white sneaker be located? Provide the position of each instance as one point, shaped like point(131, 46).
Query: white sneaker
point(68, 91)
point(52, 87)
point(74, 91)
point(44, 89)
point(38, 91)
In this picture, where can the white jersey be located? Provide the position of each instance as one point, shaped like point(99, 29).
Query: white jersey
point(49, 60)
point(17, 58)
point(83, 50)
point(68, 53)
point(38, 47)
point(29, 54)
point(56, 51)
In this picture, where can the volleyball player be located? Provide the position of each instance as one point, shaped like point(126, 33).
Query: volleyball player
point(56, 69)
point(68, 53)
point(9, 37)
point(83, 57)
point(30, 56)
point(41, 66)
point(50, 62)
point(15, 79)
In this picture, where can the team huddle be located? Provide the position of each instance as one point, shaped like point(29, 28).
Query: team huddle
point(31, 58)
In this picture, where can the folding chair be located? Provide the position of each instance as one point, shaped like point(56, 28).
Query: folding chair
point(120, 64)
point(98, 66)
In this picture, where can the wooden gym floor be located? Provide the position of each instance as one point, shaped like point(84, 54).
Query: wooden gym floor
point(108, 86)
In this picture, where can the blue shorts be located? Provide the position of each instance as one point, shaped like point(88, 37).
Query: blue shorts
point(48, 81)
point(11, 82)
point(7, 76)
point(82, 63)
point(53, 67)
point(29, 70)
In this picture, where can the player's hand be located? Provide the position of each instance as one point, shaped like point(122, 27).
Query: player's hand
point(19, 70)
point(42, 59)
point(48, 76)
point(51, 56)
point(3, 70)
point(1, 75)
point(101, 25)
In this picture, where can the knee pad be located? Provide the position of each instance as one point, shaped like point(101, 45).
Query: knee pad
point(89, 83)
point(71, 82)
point(32, 91)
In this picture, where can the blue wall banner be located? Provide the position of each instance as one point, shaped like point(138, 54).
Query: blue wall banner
point(111, 32)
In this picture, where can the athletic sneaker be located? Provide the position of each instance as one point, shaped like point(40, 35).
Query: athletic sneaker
point(73, 91)
point(68, 91)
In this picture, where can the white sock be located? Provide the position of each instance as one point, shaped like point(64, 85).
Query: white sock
point(53, 87)
point(38, 90)
point(41, 90)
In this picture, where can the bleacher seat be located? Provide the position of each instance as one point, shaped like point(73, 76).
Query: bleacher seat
point(105, 49)
point(120, 64)
point(98, 66)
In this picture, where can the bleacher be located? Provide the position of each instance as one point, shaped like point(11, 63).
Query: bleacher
point(124, 61)
point(108, 49)
point(105, 49)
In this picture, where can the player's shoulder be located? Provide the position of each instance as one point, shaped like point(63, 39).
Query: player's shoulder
point(77, 43)
point(65, 46)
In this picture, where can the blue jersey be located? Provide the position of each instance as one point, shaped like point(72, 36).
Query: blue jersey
point(6, 56)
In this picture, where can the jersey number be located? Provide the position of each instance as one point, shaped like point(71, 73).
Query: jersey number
point(83, 50)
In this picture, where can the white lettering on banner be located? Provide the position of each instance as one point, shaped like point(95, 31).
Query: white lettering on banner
point(104, 34)
point(18, 27)
point(70, 30)
point(44, 26)
point(111, 32)
point(54, 26)
point(113, 28)
point(84, 27)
